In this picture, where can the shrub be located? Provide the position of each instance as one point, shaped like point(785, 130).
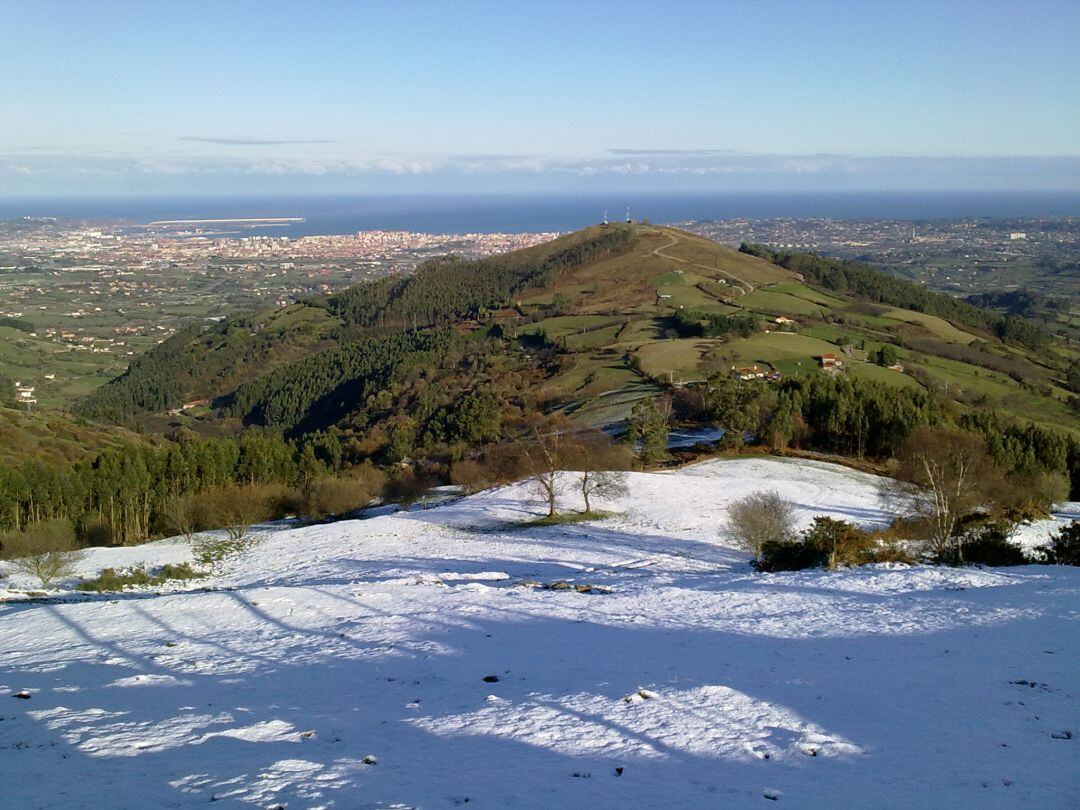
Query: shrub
point(185, 514)
point(328, 495)
point(1031, 496)
point(889, 553)
point(839, 542)
point(94, 530)
point(211, 550)
point(469, 475)
point(902, 529)
point(988, 544)
point(112, 580)
point(232, 507)
point(788, 555)
point(941, 476)
point(830, 543)
point(408, 486)
point(760, 518)
point(993, 550)
point(236, 508)
point(44, 550)
point(1065, 546)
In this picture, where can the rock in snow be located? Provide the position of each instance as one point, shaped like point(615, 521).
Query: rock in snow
point(712, 686)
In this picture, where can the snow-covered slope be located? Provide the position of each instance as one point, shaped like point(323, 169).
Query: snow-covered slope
point(427, 642)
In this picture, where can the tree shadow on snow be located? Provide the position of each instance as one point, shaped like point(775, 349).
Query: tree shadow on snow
point(226, 710)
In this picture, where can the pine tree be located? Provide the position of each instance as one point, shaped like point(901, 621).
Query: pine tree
point(647, 432)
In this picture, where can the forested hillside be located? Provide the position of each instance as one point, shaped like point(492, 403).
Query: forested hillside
point(229, 361)
point(319, 391)
point(444, 290)
point(201, 362)
point(632, 328)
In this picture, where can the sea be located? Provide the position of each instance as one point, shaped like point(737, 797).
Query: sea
point(521, 213)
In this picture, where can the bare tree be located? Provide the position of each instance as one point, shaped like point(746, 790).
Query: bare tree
point(760, 518)
point(237, 508)
point(545, 445)
point(941, 475)
point(44, 550)
point(181, 515)
point(600, 462)
point(602, 484)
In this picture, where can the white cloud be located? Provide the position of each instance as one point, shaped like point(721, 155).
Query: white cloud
point(29, 170)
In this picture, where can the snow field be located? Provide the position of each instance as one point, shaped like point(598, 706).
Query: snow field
point(410, 640)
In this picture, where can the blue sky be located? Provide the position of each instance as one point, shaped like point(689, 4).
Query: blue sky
point(234, 97)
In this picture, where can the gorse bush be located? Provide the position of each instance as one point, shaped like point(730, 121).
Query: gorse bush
point(110, 579)
point(992, 547)
point(984, 538)
point(889, 552)
point(838, 542)
point(829, 543)
point(788, 555)
point(1065, 545)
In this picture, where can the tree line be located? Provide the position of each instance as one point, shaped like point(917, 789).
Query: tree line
point(16, 323)
point(121, 496)
point(860, 418)
point(690, 323)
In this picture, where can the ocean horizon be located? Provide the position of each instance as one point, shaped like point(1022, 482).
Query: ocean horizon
point(516, 213)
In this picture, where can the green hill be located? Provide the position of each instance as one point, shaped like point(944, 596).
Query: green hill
point(52, 437)
point(609, 309)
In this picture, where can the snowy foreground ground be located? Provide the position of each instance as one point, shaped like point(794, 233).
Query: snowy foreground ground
point(693, 683)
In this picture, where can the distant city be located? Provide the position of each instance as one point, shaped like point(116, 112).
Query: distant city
point(90, 297)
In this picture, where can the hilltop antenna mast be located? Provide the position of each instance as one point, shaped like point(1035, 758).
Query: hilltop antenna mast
point(628, 213)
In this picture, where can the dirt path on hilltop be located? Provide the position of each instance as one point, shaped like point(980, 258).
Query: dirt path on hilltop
point(743, 287)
